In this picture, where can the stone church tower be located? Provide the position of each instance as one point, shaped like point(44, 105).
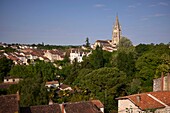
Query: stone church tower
point(116, 33)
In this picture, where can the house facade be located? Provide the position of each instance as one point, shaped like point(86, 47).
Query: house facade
point(11, 79)
point(53, 84)
point(76, 54)
point(54, 55)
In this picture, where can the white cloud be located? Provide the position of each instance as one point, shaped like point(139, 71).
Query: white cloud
point(163, 4)
point(99, 5)
point(159, 4)
point(154, 16)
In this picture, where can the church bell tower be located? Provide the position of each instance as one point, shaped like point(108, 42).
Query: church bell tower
point(116, 32)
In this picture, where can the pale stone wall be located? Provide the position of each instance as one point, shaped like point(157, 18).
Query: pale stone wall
point(126, 105)
point(157, 84)
point(11, 80)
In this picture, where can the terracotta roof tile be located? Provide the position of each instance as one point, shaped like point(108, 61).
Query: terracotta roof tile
point(9, 104)
point(7, 85)
point(102, 41)
point(52, 82)
point(54, 108)
point(81, 107)
point(97, 103)
point(162, 96)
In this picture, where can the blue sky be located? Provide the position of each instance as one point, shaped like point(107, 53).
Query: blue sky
point(69, 22)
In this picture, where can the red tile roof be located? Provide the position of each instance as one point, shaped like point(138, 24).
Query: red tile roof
point(54, 108)
point(81, 107)
point(64, 86)
point(51, 82)
point(7, 85)
point(9, 104)
point(13, 58)
point(97, 103)
point(73, 107)
point(102, 41)
point(144, 101)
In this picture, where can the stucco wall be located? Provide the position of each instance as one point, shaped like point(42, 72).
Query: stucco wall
point(126, 105)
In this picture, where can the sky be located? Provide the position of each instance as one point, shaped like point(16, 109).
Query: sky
point(70, 22)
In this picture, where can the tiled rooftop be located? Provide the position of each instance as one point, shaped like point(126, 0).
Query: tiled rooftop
point(81, 107)
point(144, 101)
point(9, 104)
point(7, 85)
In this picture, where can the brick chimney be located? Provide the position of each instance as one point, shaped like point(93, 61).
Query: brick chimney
point(168, 82)
point(50, 102)
point(162, 82)
point(18, 97)
point(62, 108)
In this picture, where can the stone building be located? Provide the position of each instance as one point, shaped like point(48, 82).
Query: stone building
point(162, 83)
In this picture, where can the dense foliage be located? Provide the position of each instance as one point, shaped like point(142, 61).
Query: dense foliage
point(102, 75)
point(47, 70)
point(5, 67)
point(106, 76)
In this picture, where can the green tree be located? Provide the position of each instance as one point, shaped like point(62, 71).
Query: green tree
point(126, 58)
point(164, 66)
point(125, 42)
point(5, 67)
point(143, 48)
point(87, 42)
point(33, 92)
point(96, 58)
point(105, 84)
point(146, 66)
point(74, 68)
point(46, 68)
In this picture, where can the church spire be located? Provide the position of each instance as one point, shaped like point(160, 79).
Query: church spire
point(116, 32)
point(117, 22)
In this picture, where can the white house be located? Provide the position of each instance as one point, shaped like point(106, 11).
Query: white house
point(77, 54)
point(53, 55)
point(53, 84)
point(64, 87)
point(11, 79)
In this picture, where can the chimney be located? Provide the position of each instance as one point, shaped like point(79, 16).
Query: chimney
point(138, 98)
point(62, 108)
point(50, 102)
point(162, 82)
point(18, 97)
point(168, 82)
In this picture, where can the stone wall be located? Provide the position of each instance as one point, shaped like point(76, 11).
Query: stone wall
point(162, 84)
